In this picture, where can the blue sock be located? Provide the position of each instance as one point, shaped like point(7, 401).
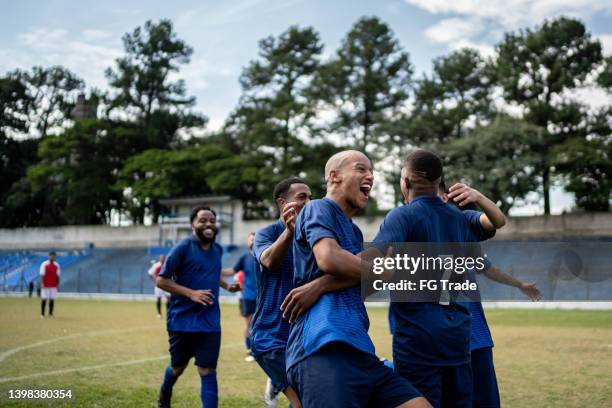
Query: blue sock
point(247, 342)
point(168, 383)
point(208, 390)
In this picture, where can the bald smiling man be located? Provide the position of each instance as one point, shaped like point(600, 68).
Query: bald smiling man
point(330, 357)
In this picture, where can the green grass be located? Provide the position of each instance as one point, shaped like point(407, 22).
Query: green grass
point(543, 357)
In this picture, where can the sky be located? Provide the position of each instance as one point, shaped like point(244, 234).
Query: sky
point(85, 36)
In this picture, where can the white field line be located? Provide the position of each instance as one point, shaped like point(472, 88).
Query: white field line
point(4, 355)
point(97, 367)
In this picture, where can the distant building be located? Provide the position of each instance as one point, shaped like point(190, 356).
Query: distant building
point(84, 108)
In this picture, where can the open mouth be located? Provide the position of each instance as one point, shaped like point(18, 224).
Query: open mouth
point(365, 189)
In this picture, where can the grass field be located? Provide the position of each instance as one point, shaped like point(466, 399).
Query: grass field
point(113, 353)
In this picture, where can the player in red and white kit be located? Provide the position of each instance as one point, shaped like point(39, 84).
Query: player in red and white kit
point(159, 293)
point(49, 282)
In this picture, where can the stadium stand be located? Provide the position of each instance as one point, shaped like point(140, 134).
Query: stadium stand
point(94, 270)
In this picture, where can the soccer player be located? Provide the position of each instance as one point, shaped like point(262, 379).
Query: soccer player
point(248, 265)
point(485, 391)
point(159, 293)
point(273, 249)
point(49, 283)
point(330, 357)
point(431, 342)
point(192, 273)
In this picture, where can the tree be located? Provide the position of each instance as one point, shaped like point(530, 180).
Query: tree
point(586, 162)
point(75, 172)
point(535, 68)
point(498, 159)
point(458, 90)
point(143, 90)
point(274, 86)
point(156, 174)
point(16, 154)
point(365, 83)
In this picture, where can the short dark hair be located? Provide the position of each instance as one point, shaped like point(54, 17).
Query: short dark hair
point(196, 210)
point(424, 164)
point(52, 253)
point(281, 189)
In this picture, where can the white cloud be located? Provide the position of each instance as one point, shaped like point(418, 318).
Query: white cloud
point(93, 34)
point(484, 21)
point(448, 30)
point(606, 43)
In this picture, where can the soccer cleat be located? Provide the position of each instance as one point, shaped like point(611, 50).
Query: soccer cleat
point(42, 316)
point(270, 396)
point(249, 359)
point(163, 401)
point(159, 316)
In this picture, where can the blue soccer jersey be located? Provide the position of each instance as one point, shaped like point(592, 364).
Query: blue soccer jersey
point(338, 316)
point(430, 333)
point(189, 265)
point(248, 264)
point(269, 331)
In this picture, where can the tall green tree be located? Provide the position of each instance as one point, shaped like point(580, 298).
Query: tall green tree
point(535, 67)
point(498, 158)
point(142, 86)
point(458, 91)
point(75, 172)
point(17, 203)
point(365, 83)
point(274, 86)
point(585, 160)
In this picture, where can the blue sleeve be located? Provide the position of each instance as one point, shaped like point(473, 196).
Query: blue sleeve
point(473, 218)
point(314, 223)
point(240, 264)
point(263, 240)
point(394, 228)
point(173, 262)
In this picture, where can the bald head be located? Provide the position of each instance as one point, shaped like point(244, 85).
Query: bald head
point(339, 160)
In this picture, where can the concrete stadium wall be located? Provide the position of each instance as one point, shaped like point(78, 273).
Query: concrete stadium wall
point(588, 225)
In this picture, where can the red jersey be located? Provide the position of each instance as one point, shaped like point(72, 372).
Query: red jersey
point(50, 272)
point(156, 269)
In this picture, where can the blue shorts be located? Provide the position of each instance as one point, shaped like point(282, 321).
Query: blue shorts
point(486, 392)
point(203, 346)
point(247, 307)
point(273, 364)
point(339, 375)
point(443, 386)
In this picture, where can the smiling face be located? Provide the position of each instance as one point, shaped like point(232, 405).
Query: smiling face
point(204, 226)
point(298, 193)
point(354, 179)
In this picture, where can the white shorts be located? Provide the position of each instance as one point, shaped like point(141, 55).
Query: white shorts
point(161, 293)
point(48, 293)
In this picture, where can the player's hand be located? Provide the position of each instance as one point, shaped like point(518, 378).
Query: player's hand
point(289, 215)
point(234, 287)
point(299, 300)
point(462, 194)
point(531, 291)
point(204, 297)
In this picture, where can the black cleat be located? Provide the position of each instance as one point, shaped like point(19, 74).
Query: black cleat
point(163, 401)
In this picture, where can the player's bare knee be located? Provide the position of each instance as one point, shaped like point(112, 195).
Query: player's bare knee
point(205, 370)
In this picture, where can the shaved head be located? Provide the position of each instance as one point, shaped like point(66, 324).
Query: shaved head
point(339, 160)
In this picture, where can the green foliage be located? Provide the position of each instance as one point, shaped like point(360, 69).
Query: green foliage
point(498, 159)
point(156, 174)
point(75, 173)
point(535, 67)
point(365, 83)
point(141, 78)
point(586, 162)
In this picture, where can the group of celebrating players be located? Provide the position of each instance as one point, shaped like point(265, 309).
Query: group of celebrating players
point(309, 330)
